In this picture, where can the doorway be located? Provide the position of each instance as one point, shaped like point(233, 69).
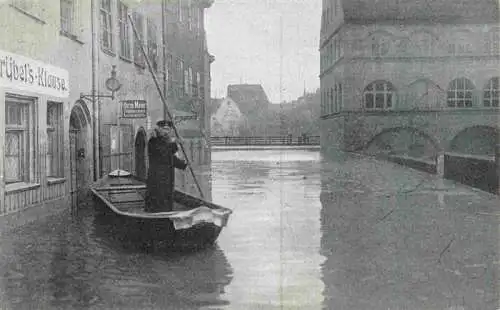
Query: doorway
point(80, 155)
point(140, 154)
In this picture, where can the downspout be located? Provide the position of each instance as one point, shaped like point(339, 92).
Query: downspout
point(95, 104)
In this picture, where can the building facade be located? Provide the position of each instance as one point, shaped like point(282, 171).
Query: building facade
point(60, 129)
point(226, 119)
point(415, 79)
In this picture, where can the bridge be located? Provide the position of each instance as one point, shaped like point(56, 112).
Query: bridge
point(266, 141)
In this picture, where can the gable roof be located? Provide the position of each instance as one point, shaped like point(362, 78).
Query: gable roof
point(249, 97)
point(214, 105)
point(434, 11)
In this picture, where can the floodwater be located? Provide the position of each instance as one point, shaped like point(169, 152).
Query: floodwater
point(306, 233)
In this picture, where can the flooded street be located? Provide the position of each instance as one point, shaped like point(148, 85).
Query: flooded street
point(306, 233)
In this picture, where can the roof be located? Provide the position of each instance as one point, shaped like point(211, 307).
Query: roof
point(249, 97)
point(437, 11)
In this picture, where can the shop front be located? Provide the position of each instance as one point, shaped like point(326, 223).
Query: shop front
point(44, 139)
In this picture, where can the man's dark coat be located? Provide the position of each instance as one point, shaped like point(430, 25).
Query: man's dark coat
point(161, 174)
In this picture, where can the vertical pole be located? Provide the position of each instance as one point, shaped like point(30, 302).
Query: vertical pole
point(95, 104)
point(118, 122)
point(164, 50)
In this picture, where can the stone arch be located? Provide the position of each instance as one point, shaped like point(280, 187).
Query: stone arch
point(423, 93)
point(81, 152)
point(423, 41)
point(407, 141)
point(140, 158)
point(475, 140)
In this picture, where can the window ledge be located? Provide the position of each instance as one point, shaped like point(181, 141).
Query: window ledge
point(126, 59)
point(107, 51)
point(20, 187)
point(70, 36)
point(52, 180)
point(31, 15)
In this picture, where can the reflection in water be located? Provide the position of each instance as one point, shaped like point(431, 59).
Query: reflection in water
point(75, 264)
point(394, 243)
point(306, 233)
point(273, 237)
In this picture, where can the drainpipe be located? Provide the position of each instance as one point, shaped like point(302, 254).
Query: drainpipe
point(95, 104)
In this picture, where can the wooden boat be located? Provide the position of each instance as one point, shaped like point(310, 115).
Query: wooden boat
point(193, 223)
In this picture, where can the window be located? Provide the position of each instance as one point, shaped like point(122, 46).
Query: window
point(460, 93)
point(492, 42)
point(170, 75)
point(55, 140)
point(380, 46)
point(179, 10)
point(379, 95)
point(491, 94)
point(106, 25)
point(184, 12)
point(338, 100)
point(198, 85)
point(152, 45)
point(67, 16)
point(18, 165)
point(180, 79)
point(201, 85)
point(124, 30)
point(139, 26)
point(194, 18)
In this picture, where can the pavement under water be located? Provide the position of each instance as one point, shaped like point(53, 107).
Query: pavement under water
point(307, 232)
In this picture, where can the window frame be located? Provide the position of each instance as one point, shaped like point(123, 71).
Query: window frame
point(388, 91)
point(152, 44)
point(28, 152)
point(106, 25)
point(70, 20)
point(57, 145)
point(138, 42)
point(124, 30)
point(493, 100)
point(468, 93)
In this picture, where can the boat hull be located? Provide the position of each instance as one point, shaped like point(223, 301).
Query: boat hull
point(196, 223)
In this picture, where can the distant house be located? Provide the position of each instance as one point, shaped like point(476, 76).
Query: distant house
point(226, 117)
point(254, 106)
point(251, 98)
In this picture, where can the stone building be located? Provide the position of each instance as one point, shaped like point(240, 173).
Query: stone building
point(59, 123)
point(414, 79)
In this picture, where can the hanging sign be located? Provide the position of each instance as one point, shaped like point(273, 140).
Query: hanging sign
point(134, 108)
point(19, 72)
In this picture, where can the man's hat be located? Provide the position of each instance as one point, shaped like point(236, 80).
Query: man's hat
point(164, 123)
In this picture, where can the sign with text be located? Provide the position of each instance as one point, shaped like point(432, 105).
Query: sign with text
point(134, 108)
point(19, 72)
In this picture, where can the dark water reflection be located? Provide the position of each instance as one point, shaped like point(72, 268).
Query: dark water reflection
point(73, 264)
point(306, 233)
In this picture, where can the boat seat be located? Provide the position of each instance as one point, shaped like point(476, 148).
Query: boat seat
point(123, 197)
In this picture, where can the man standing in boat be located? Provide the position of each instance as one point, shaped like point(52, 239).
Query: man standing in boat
point(162, 149)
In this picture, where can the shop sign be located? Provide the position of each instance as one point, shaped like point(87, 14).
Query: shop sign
point(26, 74)
point(134, 108)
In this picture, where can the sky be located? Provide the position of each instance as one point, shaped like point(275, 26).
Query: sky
point(244, 37)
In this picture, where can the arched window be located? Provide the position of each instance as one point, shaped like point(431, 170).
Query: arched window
point(380, 46)
point(379, 95)
point(491, 94)
point(460, 93)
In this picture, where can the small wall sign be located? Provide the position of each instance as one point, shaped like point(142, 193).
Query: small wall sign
point(134, 108)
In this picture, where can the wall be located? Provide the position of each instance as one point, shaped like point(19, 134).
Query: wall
point(35, 33)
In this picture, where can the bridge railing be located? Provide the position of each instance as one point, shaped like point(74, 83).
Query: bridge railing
point(266, 140)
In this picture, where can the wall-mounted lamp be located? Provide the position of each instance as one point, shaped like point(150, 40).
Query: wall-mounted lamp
point(112, 84)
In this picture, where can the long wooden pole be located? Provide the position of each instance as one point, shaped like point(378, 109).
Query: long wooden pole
point(162, 97)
